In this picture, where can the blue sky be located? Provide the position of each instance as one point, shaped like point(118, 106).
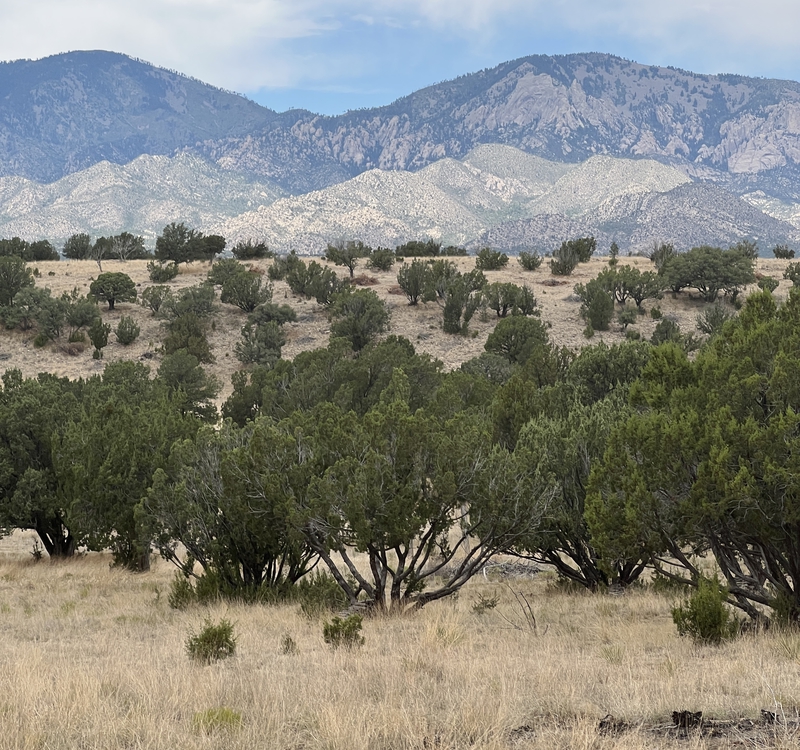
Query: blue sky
point(345, 54)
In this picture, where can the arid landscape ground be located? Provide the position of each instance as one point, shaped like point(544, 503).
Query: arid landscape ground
point(94, 657)
point(420, 324)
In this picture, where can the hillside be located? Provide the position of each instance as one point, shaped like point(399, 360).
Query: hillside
point(67, 112)
point(142, 196)
point(421, 325)
point(587, 141)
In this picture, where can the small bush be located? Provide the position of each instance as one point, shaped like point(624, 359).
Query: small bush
point(127, 331)
point(768, 283)
point(216, 719)
point(529, 261)
point(564, 261)
point(381, 259)
point(98, 335)
point(161, 273)
point(249, 250)
point(703, 616)
point(627, 316)
point(154, 296)
point(289, 645)
point(345, 633)
point(490, 260)
point(655, 313)
point(666, 330)
point(223, 270)
point(484, 604)
point(319, 594)
point(783, 252)
point(212, 643)
point(181, 593)
point(245, 290)
point(711, 320)
point(282, 265)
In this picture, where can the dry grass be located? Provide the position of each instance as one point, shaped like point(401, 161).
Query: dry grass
point(420, 324)
point(94, 658)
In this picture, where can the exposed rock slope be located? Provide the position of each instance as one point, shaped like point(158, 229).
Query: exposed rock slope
point(141, 197)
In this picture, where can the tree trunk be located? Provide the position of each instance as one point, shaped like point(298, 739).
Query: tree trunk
point(57, 540)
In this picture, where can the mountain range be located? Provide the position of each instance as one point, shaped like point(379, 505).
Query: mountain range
point(525, 154)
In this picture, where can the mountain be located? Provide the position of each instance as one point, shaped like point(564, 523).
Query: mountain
point(732, 129)
point(554, 145)
point(65, 113)
point(456, 202)
point(686, 216)
point(142, 196)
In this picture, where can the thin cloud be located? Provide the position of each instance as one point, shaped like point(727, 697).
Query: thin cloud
point(247, 45)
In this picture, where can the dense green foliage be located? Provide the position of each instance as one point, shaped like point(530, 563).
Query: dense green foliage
point(113, 288)
point(601, 463)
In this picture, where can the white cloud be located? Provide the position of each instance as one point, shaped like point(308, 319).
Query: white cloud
point(249, 44)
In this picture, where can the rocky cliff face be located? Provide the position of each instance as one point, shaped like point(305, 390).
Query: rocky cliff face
point(564, 108)
point(67, 112)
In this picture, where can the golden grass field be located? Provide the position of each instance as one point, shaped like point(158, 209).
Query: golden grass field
point(93, 657)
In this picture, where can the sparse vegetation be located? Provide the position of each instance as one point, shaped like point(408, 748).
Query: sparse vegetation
point(212, 642)
point(529, 261)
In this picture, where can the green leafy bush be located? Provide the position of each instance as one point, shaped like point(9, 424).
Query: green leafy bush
point(343, 633)
point(711, 320)
point(792, 273)
point(319, 594)
point(598, 304)
point(529, 261)
point(249, 250)
point(490, 260)
point(768, 283)
point(212, 643)
point(418, 249)
point(381, 259)
point(127, 331)
point(161, 273)
point(196, 300)
point(189, 332)
point(223, 270)
point(98, 335)
point(155, 296)
point(564, 261)
point(704, 616)
point(783, 252)
point(281, 266)
point(414, 279)
point(245, 290)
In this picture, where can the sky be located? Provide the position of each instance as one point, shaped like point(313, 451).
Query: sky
point(329, 56)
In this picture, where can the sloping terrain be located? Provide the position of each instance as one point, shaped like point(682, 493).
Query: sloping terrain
point(67, 112)
point(585, 140)
point(142, 196)
point(687, 216)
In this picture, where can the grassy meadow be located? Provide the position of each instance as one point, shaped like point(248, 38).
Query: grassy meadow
point(94, 657)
